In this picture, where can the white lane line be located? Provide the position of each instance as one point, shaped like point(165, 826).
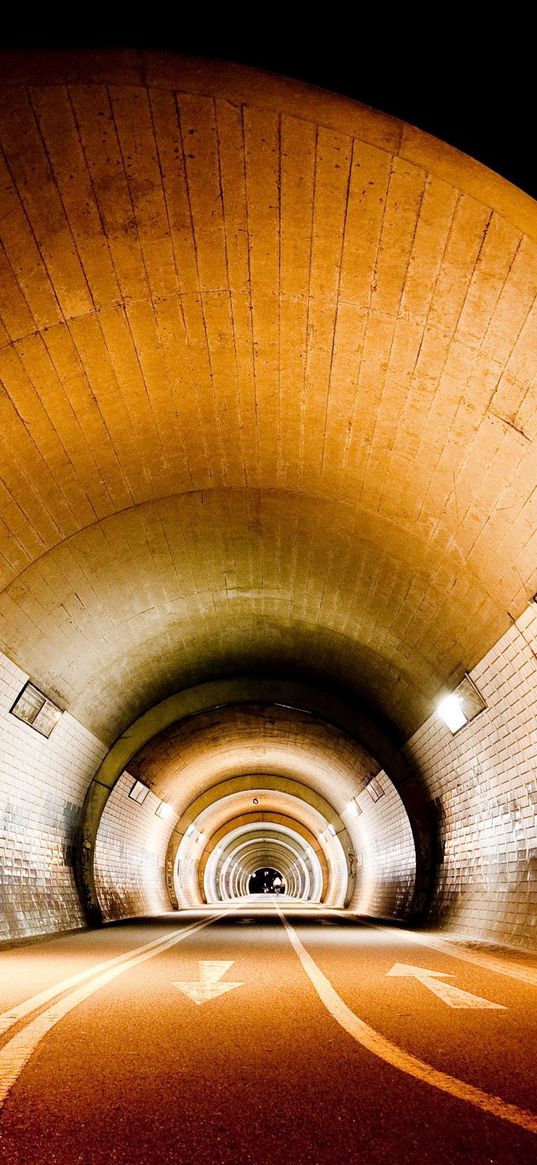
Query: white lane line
point(488, 962)
point(374, 1042)
point(17, 1051)
point(21, 1010)
point(513, 970)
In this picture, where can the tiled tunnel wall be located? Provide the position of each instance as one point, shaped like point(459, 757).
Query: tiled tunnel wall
point(485, 780)
point(42, 788)
point(386, 874)
point(130, 854)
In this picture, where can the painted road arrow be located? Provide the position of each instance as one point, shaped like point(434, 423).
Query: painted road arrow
point(208, 986)
point(452, 996)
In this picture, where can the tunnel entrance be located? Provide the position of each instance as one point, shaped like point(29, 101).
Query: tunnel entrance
point(266, 881)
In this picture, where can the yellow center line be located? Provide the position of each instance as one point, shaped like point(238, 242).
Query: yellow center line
point(376, 1043)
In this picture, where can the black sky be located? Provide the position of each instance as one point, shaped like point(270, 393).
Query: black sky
point(453, 73)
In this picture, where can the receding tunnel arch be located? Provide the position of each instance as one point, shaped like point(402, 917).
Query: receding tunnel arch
point(207, 768)
point(262, 791)
point(325, 708)
point(143, 647)
point(268, 412)
point(236, 851)
point(235, 812)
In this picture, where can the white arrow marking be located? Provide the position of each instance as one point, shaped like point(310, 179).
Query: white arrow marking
point(208, 985)
point(453, 996)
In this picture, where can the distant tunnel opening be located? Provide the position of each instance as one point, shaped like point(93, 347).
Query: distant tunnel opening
point(266, 881)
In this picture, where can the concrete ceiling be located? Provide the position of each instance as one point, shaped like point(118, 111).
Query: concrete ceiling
point(208, 755)
point(268, 390)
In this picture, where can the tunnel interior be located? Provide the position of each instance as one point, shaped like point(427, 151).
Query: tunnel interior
point(268, 431)
point(266, 881)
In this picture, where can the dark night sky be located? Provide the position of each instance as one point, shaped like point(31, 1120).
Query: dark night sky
point(475, 89)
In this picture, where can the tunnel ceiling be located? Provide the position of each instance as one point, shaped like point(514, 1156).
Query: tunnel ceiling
point(228, 749)
point(268, 389)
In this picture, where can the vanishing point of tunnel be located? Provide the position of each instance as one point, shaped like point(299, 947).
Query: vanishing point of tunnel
point(268, 627)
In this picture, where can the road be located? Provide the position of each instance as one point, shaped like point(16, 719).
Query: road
point(333, 1041)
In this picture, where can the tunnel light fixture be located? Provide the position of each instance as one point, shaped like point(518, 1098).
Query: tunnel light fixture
point(35, 709)
point(353, 808)
point(139, 792)
point(450, 711)
point(163, 810)
point(375, 789)
point(330, 831)
point(462, 706)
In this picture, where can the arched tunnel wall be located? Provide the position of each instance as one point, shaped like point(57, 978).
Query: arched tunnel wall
point(387, 861)
point(268, 408)
point(42, 788)
point(130, 854)
point(483, 781)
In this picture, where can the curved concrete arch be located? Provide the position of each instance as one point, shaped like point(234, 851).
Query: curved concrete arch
point(269, 851)
point(279, 855)
point(276, 857)
point(254, 858)
point(251, 782)
point(228, 834)
point(120, 675)
point(324, 706)
point(255, 784)
point(225, 816)
point(328, 469)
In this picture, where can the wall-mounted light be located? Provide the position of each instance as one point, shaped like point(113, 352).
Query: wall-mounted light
point(375, 789)
point(163, 810)
point(462, 706)
point(138, 792)
point(35, 709)
point(450, 711)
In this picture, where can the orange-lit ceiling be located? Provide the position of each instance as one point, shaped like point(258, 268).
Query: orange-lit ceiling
point(268, 390)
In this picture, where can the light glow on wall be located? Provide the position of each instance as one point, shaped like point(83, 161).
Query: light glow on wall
point(164, 810)
point(450, 711)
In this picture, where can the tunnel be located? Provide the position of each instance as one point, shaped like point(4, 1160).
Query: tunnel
point(267, 504)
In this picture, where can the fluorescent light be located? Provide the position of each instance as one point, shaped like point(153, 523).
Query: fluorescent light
point(330, 831)
point(353, 808)
point(450, 711)
point(34, 708)
point(163, 810)
point(375, 789)
point(139, 792)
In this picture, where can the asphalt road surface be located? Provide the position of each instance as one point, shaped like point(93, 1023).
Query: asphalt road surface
point(271, 1036)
